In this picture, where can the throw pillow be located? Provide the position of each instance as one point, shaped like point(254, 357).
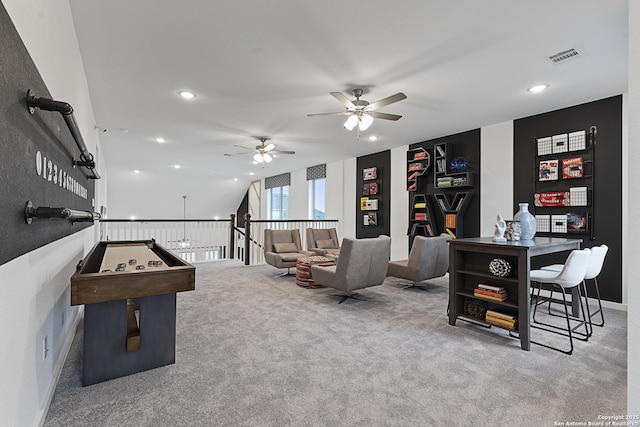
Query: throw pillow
point(326, 244)
point(285, 247)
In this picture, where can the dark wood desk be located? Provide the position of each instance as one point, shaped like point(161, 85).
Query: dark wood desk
point(469, 265)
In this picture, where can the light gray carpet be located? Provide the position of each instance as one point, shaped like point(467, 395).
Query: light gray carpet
point(253, 350)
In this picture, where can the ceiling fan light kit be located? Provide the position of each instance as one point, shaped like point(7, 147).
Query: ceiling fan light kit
point(263, 153)
point(361, 113)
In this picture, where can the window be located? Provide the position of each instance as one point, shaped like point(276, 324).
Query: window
point(279, 202)
point(316, 175)
point(316, 198)
point(278, 196)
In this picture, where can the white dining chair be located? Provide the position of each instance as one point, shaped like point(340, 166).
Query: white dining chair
point(570, 276)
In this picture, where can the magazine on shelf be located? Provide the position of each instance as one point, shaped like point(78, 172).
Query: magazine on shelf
point(370, 173)
point(370, 218)
point(576, 222)
point(363, 203)
point(552, 198)
point(373, 188)
point(572, 168)
point(371, 205)
point(548, 170)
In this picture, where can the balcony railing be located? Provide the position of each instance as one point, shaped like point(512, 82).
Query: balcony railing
point(193, 240)
point(196, 240)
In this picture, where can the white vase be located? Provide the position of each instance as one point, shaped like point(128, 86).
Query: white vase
point(527, 222)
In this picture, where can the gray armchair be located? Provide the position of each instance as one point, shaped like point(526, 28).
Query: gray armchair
point(428, 259)
point(362, 263)
point(282, 248)
point(323, 241)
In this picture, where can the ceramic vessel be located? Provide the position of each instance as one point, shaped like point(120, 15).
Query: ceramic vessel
point(527, 222)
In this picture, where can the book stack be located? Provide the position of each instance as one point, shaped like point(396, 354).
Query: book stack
point(490, 292)
point(503, 320)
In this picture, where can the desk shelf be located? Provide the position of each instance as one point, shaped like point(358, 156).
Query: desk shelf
point(469, 260)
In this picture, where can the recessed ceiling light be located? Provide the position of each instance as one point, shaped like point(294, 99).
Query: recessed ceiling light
point(132, 217)
point(235, 179)
point(186, 94)
point(251, 173)
point(160, 139)
point(373, 138)
point(537, 88)
point(136, 171)
point(216, 217)
point(177, 166)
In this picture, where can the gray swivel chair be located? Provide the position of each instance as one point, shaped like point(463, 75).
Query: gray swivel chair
point(323, 241)
point(428, 259)
point(282, 248)
point(362, 263)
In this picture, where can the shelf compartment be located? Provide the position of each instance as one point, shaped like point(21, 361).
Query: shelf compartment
point(488, 275)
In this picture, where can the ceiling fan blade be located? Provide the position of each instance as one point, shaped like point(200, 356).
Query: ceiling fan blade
point(281, 152)
point(385, 116)
point(241, 146)
point(386, 101)
point(233, 154)
point(343, 99)
point(342, 113)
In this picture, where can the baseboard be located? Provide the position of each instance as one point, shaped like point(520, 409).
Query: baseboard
point(57, 371)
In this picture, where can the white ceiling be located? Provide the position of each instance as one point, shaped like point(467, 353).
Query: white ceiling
point(259, 67)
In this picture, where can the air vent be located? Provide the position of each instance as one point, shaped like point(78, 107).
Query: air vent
point(564, 56)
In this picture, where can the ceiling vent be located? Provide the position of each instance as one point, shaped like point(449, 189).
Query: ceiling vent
point(565, 56)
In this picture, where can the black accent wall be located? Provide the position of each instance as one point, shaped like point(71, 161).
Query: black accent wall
point(606, 115)
point(46, 179)
point(464, 144)
point(382, 162)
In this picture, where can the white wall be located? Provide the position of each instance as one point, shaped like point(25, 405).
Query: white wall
point(299, 196)
point(496, 175)
point(631, 228)
point(334, 195)
point(34, 288)
point(399, 204)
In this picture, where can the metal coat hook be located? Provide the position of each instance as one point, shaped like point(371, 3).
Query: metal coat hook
point(66, 110)
point(42, 212)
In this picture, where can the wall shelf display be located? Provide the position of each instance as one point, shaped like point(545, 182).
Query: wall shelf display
point(453, 210)
point(421, 221)
point(564, 165)
point(418, 163)
point(457, 156)
point(373, 195)
point(450, 171)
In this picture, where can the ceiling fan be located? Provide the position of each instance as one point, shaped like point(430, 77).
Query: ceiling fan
point(263, 153)
point(361, 113)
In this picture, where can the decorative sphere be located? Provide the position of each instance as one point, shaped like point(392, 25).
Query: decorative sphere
point(459, 164)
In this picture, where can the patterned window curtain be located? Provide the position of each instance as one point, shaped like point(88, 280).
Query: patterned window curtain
point(278, 180)
point(317, 172)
